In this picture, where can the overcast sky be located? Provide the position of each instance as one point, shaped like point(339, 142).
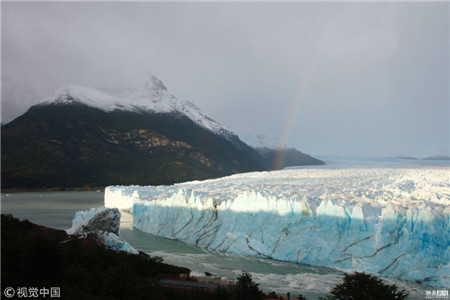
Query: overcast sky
point(327, 78)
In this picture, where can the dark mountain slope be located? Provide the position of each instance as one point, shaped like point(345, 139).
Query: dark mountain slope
point(74, 145)
point(275, 159)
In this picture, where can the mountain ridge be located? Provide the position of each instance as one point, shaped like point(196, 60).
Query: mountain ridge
point(280, 158)
point(86, 137)
point(153, 96)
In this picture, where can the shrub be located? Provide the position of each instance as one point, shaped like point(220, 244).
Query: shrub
point(364, 286)
point(246, 289)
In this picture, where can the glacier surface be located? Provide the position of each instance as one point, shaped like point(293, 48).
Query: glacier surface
point(393, 222)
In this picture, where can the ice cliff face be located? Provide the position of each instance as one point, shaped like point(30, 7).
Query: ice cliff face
point(102, 224)
point(390, 222)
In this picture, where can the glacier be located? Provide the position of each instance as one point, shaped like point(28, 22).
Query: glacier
point(392, 222)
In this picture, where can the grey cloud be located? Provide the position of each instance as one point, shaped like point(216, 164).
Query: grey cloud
point(365, 78)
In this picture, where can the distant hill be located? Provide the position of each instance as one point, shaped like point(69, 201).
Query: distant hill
point(279, 158)
point(437, 157)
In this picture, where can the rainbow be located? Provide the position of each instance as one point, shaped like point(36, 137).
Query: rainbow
point(291, 116)
point(303, 84)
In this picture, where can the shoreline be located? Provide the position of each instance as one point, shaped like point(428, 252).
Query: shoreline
point(53, 189)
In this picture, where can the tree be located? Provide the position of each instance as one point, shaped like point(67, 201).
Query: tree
point(221, 293)
point(246, 289)
point(364, 286)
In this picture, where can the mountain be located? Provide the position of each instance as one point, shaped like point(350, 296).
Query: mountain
point(279, 158)
point(152, 97)
point(263, 140)
point(437, 157)
point(276, 155)
point(83, 136)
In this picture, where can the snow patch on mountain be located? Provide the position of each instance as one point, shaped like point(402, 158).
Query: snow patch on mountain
point(152, 97)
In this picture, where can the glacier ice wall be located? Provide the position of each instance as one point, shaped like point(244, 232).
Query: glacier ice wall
point(390, 222)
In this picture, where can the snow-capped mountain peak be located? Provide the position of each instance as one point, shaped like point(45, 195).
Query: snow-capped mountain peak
point(155, 85)
point(152, 97)
point(72, 94)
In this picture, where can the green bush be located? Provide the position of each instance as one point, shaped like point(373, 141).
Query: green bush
point(364, 286)
point(247, 289)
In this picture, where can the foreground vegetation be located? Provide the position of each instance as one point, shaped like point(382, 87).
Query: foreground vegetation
point(37, 256)
point(34, 256)
point(364, 286)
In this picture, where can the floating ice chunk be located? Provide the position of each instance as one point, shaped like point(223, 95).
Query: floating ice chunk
point(103, 225)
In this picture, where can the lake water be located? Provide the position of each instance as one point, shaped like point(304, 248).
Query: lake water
point(56, 209)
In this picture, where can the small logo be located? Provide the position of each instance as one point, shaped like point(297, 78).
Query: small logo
point(9, 292)
point(436, 294)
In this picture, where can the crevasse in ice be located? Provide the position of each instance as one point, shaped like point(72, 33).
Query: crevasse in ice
point(389, 222)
